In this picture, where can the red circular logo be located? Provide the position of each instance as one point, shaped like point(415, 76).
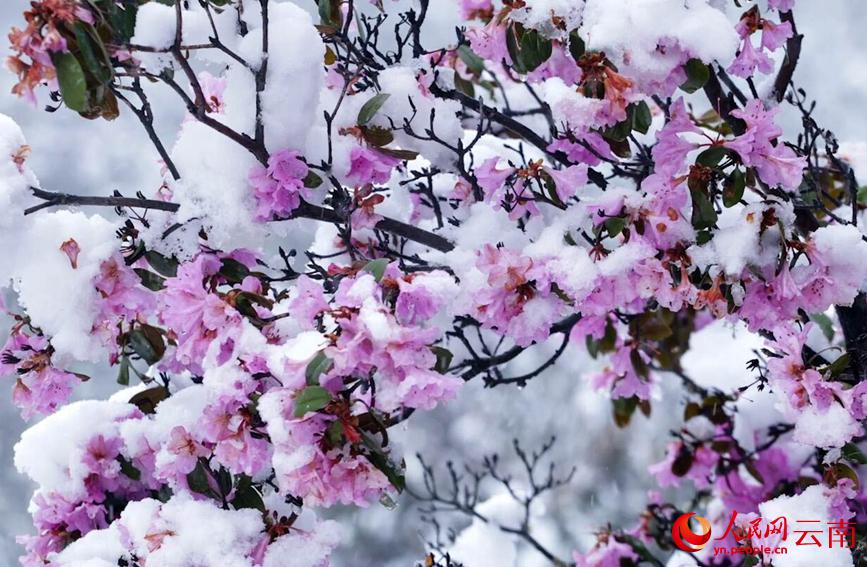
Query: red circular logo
point(686, 539)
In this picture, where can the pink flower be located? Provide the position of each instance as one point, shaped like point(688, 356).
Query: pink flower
point(607, 553)
point(472, 9)
point(775, 35)
point(370, 166)
point(749, 59)
point(781, 5)
point(670, 151)
point(228, 425)
point(40, 388)
point(213, 89)
point(185, 449)
point(775, 164)
point(279, 188)
point(194, 314)
point(568, 180)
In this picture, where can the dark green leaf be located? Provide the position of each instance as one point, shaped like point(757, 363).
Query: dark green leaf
point(444, 359)
point(703, 213)
point(615, 225)
point(197, 480)
point(733, 189)
point(641, 117)
point(128, 469)
point(246, 495)
point(234, 271)
point(167, 267)
point(840, 365)
point(70, 77)
point(473, 62)
point(376, 136)
point(378, 459)
point(682, 462)
point(312, 180)
point(712, 156)
point(623, 408)
point(371, 107)
point(576, 45)
point(123, 372)
point(311, 398)
point(92, 53)
point(149, 346)
point(317, 367)
point(697, 74)
point(150, 280)
point(530, 51)
point(148, 400)
point(852, 453)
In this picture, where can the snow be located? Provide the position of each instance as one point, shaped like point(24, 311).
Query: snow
point(630, 32)
point(538, 14)
point(295, 75)
point(60, 298)
point(50, 452)
point(812, 504)
point(14, 181)
point(833, 427)
point(484, 543)
point(155, 26)
point(179, 533)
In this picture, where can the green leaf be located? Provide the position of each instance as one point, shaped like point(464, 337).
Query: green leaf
point(234, 271)
point(824, 322)
point(98, 65)
point(311, 398)
point(123, 372)
point(317, 367)
point(378, 459)
point(733, 188)
point(840, 365)
point(312, 180)
point(150, 280)
point(149, 346)
point(530, 51)
point(750, 561)
point(615, 226)
point(377, 268)
point(371, 107)
point(377, 136)
point(70, 77)
point(128, 469)
point(246, 495)
point(697, 74)
point(197, 480)
point(148, 400)
point(473, 62)
point(576, 45)
point(852, 453)
point(641, 117)
point(444, 359)
point(623, 408)
point(164, 266)
point(712, 156)
point(703, 213)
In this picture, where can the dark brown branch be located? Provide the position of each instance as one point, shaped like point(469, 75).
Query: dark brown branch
point(793, 53)
point(306, 210)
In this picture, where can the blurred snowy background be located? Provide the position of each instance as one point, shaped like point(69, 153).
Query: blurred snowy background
point(74, 155)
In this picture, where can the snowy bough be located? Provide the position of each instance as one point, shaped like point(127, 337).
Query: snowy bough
point(354, 222)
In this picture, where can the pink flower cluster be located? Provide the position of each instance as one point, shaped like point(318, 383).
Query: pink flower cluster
point(279, 187)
